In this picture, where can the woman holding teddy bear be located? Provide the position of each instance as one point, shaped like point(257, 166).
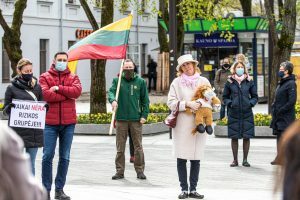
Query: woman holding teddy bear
point(187, 146)
point(240, 95)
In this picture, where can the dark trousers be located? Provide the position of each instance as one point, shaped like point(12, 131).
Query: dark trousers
point(222, 111)
point(150, 81)
point(131, 146)
point(182, 174)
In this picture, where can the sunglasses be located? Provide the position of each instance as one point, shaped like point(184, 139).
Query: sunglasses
point(62, 60)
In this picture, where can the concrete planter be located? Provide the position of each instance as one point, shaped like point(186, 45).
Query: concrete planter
point(260, 131)
point(103, 129)
point(2, 117)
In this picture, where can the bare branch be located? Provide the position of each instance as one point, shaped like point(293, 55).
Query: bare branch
point(3, 23)
point(89, 14)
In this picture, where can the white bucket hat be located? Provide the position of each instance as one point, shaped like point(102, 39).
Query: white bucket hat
point(185, 58)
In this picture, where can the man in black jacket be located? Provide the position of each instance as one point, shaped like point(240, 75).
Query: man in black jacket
point(152, 74)
point(283, 107)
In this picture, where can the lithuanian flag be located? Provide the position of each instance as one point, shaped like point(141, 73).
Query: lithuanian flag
point(109, 42)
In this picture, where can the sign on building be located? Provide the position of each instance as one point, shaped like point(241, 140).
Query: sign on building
point(215, 40)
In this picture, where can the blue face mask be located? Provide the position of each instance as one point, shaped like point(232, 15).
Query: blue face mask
point(281, 74)
point(240, 71)
point(61, 66)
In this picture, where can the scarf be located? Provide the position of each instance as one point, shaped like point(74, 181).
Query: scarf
point(189, 81)
point(239, 79)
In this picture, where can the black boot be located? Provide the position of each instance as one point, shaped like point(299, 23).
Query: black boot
point(209, 130)
point(200, 128)
point(59, 194)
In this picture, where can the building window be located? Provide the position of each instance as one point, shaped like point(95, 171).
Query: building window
point(5, 66)
point(44, 55)
point(143, 58)
point(133, 54)
point(71, 43)
point(71, 1)
point(143, 6)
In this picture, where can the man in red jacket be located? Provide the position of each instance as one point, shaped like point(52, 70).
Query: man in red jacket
point(60, 89)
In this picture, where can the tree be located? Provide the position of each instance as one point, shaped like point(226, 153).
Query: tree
point(246, 6)
point(98, 80)
point(281, 43)
point(12, 35)
point(162, 35)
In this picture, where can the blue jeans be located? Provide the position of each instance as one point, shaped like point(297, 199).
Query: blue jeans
point(182, 174)
point(32, 154)
point(65, 135)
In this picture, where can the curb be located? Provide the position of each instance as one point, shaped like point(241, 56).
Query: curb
point(260, 131)
point(103, 129)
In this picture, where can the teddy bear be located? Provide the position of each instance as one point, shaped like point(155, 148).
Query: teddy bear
point(203, 116)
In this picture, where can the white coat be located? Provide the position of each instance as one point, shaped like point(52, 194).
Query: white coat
point(185, 144)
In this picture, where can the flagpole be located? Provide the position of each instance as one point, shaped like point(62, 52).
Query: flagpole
point(117, 96)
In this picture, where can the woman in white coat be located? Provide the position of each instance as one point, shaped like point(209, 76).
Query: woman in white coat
point(187, 146)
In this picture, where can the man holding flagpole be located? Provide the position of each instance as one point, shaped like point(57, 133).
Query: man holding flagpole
point(132, 108)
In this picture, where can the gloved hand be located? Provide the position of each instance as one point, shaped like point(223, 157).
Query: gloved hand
point(193, 105)
point(47, 107)
point(12, 105)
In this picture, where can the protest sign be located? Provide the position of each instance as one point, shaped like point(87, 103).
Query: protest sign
point(28, 114)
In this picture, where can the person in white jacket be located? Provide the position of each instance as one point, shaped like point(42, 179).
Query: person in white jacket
point(187, 146)
point(16, 179)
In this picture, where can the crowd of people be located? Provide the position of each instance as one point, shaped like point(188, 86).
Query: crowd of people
point(59, 89)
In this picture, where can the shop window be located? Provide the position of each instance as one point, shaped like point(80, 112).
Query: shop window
point(71, 43)
point(44, 55)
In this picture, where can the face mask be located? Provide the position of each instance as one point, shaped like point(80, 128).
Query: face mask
point(61, 66)
point(209, 94)
point(27, 77)
point(226, 66)
point(281, 74)
point(128, 74)
point(240, 71)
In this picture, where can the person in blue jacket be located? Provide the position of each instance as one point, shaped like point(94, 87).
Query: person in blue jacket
point(240, 96)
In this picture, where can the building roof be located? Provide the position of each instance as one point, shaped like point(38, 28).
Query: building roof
point(236, 24)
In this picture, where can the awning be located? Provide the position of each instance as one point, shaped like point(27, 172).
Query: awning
point(239, 24)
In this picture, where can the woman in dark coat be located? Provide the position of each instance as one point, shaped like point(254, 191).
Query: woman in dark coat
point(283, 107)
point(240, 95)
point(25, 87)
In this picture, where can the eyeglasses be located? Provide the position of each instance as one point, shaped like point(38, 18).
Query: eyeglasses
point(62, 60)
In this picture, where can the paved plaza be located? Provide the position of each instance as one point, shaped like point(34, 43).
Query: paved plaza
point(92, 165)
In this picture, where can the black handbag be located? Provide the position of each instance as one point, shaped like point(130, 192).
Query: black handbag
point(172, 118)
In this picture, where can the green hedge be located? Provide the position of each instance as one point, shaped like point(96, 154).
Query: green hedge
point(105, 118)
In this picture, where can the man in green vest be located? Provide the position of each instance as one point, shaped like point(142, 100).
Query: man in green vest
point(132, 108)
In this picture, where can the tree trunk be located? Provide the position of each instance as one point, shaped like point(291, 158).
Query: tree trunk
point(12, 35)
point(283, 44)
point(98, 80)
point(246, 6)
point(162, 35)
point(280, 9)
point(98, 87)
point(12, 44)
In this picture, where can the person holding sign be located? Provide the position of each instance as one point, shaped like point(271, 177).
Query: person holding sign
point(60, 89)
point(132, 108)
point(25, 87)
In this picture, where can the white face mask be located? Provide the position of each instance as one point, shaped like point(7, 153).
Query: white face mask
point(209, 94)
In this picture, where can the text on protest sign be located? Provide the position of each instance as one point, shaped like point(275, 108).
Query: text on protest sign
point(28, 114)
